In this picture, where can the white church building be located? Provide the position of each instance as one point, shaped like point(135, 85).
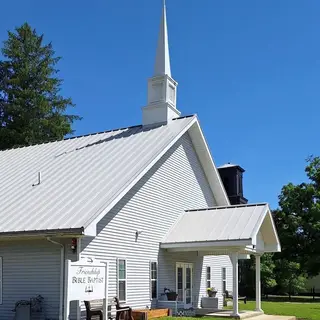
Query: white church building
point(147, 199)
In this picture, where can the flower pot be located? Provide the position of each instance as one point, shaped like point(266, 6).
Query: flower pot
point(171, 296)
point(212, 294)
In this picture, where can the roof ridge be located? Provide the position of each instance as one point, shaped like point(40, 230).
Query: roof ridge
point(231, 206)
point(139, 175)
point(84, 135)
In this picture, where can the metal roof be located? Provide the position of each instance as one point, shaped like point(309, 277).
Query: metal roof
point(79, 176)
point(218, 224)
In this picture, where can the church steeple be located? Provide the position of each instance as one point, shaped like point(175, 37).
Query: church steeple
point(162, 66)
point(162, 88)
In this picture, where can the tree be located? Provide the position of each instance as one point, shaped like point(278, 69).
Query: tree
point(247, 275)
point(290, 277)
point(31, 107)
point(268, 276)
point(298, 221)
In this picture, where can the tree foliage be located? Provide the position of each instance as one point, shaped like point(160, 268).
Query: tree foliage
point(247, 275)
point(298, 221)
point(32, 110)
point(290, 277)
point(298, 224)
point(268, 275)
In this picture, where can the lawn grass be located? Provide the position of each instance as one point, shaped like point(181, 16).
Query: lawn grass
point(304, 310)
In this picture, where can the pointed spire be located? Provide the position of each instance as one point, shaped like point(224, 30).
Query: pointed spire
point(162, 88)
point(162, 66)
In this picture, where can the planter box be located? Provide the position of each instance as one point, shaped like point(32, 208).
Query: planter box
point(145, 314)
point(209, 302)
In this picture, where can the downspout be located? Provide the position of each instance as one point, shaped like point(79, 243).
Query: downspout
point(61, 275)
point(78, 259)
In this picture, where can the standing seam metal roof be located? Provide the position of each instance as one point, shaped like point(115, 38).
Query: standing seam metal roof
point(79, 176)
point(217, 224)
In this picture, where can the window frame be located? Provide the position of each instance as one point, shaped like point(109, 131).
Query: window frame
point(208, 279)
point(153, 279)
point(125, 278)
point(224, 278)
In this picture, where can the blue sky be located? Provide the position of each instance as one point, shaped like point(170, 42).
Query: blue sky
point(249, 69)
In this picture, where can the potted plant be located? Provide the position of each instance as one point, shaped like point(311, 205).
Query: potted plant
point(212, 292)
point(171, 295)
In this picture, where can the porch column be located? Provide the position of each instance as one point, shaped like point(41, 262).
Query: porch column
point(234, 259)
point(258, 284)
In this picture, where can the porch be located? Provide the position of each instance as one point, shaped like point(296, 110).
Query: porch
point(234, 231)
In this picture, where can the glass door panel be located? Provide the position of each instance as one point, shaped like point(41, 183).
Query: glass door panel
point(180, 286)
point(188, 285)
point(184, 283)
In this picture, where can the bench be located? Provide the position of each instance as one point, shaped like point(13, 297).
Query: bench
point(228, 294)
point(95, 308)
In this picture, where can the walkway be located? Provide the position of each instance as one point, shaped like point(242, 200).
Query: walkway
point(252, 315)
point(267, 317)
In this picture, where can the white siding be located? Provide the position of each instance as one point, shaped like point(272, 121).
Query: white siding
point(216, 263)
point(177, 182)
point(73, 256)
point(167, 273)
point(30, 268)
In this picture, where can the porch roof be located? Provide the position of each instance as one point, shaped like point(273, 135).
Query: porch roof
point(249, 227)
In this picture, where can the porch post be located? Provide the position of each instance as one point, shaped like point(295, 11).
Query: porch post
point(258, 284)
point(234, 258)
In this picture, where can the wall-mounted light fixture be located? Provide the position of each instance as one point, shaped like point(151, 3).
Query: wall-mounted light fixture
point(74, 245)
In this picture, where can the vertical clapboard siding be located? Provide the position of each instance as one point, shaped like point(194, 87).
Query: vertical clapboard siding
point(177, 182)
point(30, 268)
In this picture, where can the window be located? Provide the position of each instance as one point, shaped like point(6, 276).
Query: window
point(224, 280)
point(208, 277)
point(1, 280)
point(122, 279)
point(153, 280)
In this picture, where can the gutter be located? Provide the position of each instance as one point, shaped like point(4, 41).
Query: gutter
point(44, 233)
point(61, 275)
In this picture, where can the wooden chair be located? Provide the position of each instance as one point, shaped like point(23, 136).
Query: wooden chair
point(123, 313)
point(94, 308)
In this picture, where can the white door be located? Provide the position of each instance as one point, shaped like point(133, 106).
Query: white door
point(184, 283)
